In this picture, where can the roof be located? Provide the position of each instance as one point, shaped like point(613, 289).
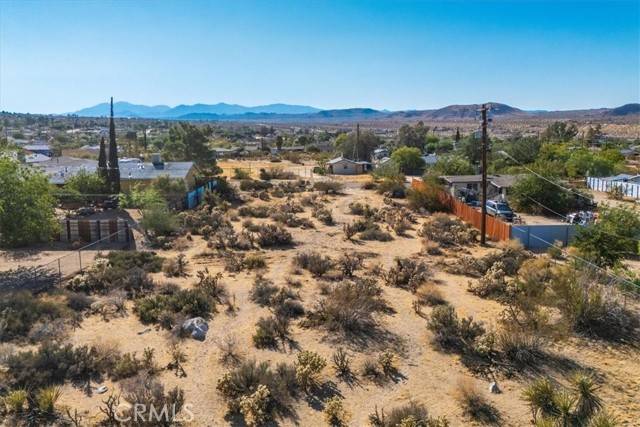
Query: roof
point(36, 158)
point(622, 177)
point(501, 181)
point(37, 147)
point(60, 169)
point(344, 159)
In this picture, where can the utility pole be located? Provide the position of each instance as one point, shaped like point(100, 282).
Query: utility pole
point(355, 147)
point(483, 224)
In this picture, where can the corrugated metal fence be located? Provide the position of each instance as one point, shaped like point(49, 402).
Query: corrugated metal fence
point(195, 197)
point(92, 230)
point(599, 184)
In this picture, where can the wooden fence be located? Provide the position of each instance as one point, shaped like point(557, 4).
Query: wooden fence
point(496, 229)
point(92, 230)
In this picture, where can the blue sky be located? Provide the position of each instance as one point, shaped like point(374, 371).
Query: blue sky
point(60, 56)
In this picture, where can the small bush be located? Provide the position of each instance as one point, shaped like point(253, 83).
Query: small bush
point(254, 261)
point(126, 260)
point(451, 333)
point(370, 369)
point(211, 285)
point(269, 330)
point(407, 274)
point(315, 263)
point(188, 302)
point(276, 173)
point(341, 362)
point(520, 348)
point(78, 301)
point(241, 174)
point(327, 187)
point(431, 296)
point(323, 215)
point(349, 307)
point(149, 395)
point(19, 312)
point(493, 284)
point(474, 404)
point(262, 291)
point(387, 362)
point(428, 196)
point(273, 235)
point(348, 263)
point(308, 366)
point(409, 415)
point(254, 185)
point(375, 233)
point(334, 412)
point(448, 231)
point(261, 211)
point(175, 267)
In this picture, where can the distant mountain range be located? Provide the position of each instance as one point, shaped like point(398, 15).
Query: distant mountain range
point(299, 113)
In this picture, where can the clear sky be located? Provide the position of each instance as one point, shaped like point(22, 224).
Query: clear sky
point(60, 56)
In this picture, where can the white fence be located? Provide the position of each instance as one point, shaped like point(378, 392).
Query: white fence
point(599, 184)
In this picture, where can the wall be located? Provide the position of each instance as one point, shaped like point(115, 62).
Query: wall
point(91, 230)
point(541, 236)
point(629, 189)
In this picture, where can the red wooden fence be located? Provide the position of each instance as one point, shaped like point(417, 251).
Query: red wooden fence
point(496, 229)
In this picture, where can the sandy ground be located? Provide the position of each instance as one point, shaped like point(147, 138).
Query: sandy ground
point(426, 375)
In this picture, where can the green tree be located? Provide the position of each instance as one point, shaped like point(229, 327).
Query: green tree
point(409, 160)
point(410, 136)
point(613, 237)
point(188, 142)
point(345, 145)
point(85, 182)
point(560, 132)
point(452, 165)
point(171, 190)
point(27, 205)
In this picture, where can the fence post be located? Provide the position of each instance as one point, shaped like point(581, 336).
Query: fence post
point(80, 260)
point(59, 272)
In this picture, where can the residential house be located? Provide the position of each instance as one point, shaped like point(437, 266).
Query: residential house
point(344, 166)
point(497, 185)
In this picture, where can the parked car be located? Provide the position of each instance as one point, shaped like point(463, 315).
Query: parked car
point(500, 210)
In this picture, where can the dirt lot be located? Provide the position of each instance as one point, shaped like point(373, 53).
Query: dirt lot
point(425, 375)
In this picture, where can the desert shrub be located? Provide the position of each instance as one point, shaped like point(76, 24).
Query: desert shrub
point(308, 366)
point(430, 295)
point(510, 253)
point(450, 332)
point(276, 173)
point(103, 278)
point(406, 273)
point(474, 404)
point(334, 412)
point(313, 262)
point(323, 215)
point(128, 365)
point(326, 187)
point(126, 260)
point(291, 220)
point(203, 220)
point(260, 211)
point(285, 304)
point(53, 364)
point(20, 311)
point(392, 187)
point(78, 301)
point(254, 261)
point(262, 291)
point(211, 286)
point(370, 369)
point(387, 362)
point(369, 185)
point(410, 415)
point(185, 302)
point(273, 235)
point(590, 308)
point(250, 184)
point(428, 196)
point(158, 221)
point(430, 247)
point(150, 397)
point(555, 251)
point(492, 284)
point(373, 232)
point(269, 330)
point(255, 407)
point(362, 209)
point(448, 231)
point(15, 401)
point(349, 307)
point(241, 174)
point(348, 263)
point(244, 380)
point(229, 352)
point(520, 348)
point(341, 362)
point(175, 267)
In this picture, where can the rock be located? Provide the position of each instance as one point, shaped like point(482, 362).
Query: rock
point(493, 388)
point(197, 327)
point(102, 389)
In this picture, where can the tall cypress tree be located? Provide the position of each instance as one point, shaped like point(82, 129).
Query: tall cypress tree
point(102, 160)
point(114, 169)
